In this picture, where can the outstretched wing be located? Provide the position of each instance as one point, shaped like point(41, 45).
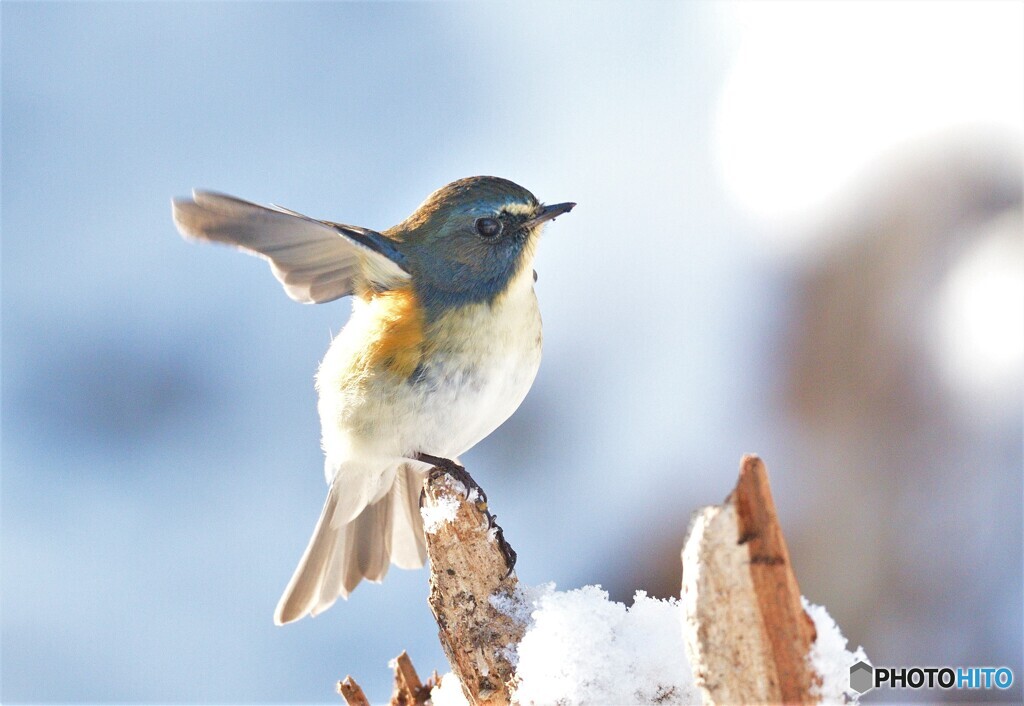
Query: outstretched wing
point(314, 260)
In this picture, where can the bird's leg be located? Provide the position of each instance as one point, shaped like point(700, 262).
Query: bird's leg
point(439, 462)
point(446, 465)
point(459, 473)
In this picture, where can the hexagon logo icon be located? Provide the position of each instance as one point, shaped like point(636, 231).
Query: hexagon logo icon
point(861, 677)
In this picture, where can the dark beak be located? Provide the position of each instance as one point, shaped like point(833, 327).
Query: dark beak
point(547, 213)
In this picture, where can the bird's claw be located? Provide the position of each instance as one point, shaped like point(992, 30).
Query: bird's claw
point(445, 466)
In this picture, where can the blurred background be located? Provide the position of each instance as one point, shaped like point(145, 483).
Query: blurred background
point(799, 234)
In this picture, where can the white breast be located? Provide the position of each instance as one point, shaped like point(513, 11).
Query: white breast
point(486, 375)
point(484, 360)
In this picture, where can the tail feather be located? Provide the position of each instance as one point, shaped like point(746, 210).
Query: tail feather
point(338, 558)
point(408, 545)
point(372, 534)
point(363, 551)
point(303, 590)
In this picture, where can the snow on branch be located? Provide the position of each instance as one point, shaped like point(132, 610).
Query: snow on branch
point(741, 632)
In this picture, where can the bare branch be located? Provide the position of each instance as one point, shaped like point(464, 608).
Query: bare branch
point(409, 690)
point(351, 692)
point(471, 572)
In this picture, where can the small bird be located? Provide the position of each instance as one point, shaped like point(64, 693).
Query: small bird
point(443, 344)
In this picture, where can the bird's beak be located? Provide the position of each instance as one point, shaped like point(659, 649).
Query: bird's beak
point(547, 213)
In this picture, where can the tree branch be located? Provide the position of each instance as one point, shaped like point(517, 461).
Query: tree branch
point(472, 586)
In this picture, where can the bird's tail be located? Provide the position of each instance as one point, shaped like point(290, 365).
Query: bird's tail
point(339, 557)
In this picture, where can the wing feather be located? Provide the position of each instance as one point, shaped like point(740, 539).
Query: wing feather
point(316, 261)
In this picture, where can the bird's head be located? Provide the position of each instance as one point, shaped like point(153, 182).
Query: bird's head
point(471, 239)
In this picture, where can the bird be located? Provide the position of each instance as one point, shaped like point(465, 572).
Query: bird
point(442, 345)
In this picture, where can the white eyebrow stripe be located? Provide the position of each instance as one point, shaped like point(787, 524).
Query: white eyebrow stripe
point(517, 208)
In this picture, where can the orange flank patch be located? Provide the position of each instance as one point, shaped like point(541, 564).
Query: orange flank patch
point(396, 344)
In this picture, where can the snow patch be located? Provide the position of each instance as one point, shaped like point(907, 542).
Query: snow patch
point(520, 604)
point(448, 692)
point(830, 658)
point(439, 514)
point(582, 648)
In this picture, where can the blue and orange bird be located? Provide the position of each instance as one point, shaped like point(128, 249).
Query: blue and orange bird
point(443, 344)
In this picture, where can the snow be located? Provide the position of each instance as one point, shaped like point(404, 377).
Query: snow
point(448, 692)
point(521, 604)
point(831, 659)
point(444, 509)
point(584, 649)
point(581, 648)
point(439, 514)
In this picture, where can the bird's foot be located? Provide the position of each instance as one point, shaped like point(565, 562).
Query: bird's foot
point(459, 473)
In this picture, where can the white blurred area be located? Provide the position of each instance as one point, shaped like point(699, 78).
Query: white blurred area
point(979, 335)
point(823, 100)
point(798, 234)
point(818, 93)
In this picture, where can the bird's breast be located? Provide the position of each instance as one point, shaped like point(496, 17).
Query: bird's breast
point(480, 363)
point(483, 334)
point(396, 380)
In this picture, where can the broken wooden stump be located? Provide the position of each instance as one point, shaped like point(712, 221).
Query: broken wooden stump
point(473, 596)
point(408, 691)
point(472, 585)
point(352, 693)
point(747, 635)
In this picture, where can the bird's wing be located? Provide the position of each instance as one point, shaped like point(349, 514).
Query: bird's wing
point(314, 260)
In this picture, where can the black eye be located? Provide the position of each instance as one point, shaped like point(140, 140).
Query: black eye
point(488, 227)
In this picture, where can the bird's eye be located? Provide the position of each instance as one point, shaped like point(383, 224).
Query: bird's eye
point(488, 227)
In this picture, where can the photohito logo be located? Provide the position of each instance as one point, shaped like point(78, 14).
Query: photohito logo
point(864, 677)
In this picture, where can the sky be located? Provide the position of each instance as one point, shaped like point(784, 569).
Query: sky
point(161, 469)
